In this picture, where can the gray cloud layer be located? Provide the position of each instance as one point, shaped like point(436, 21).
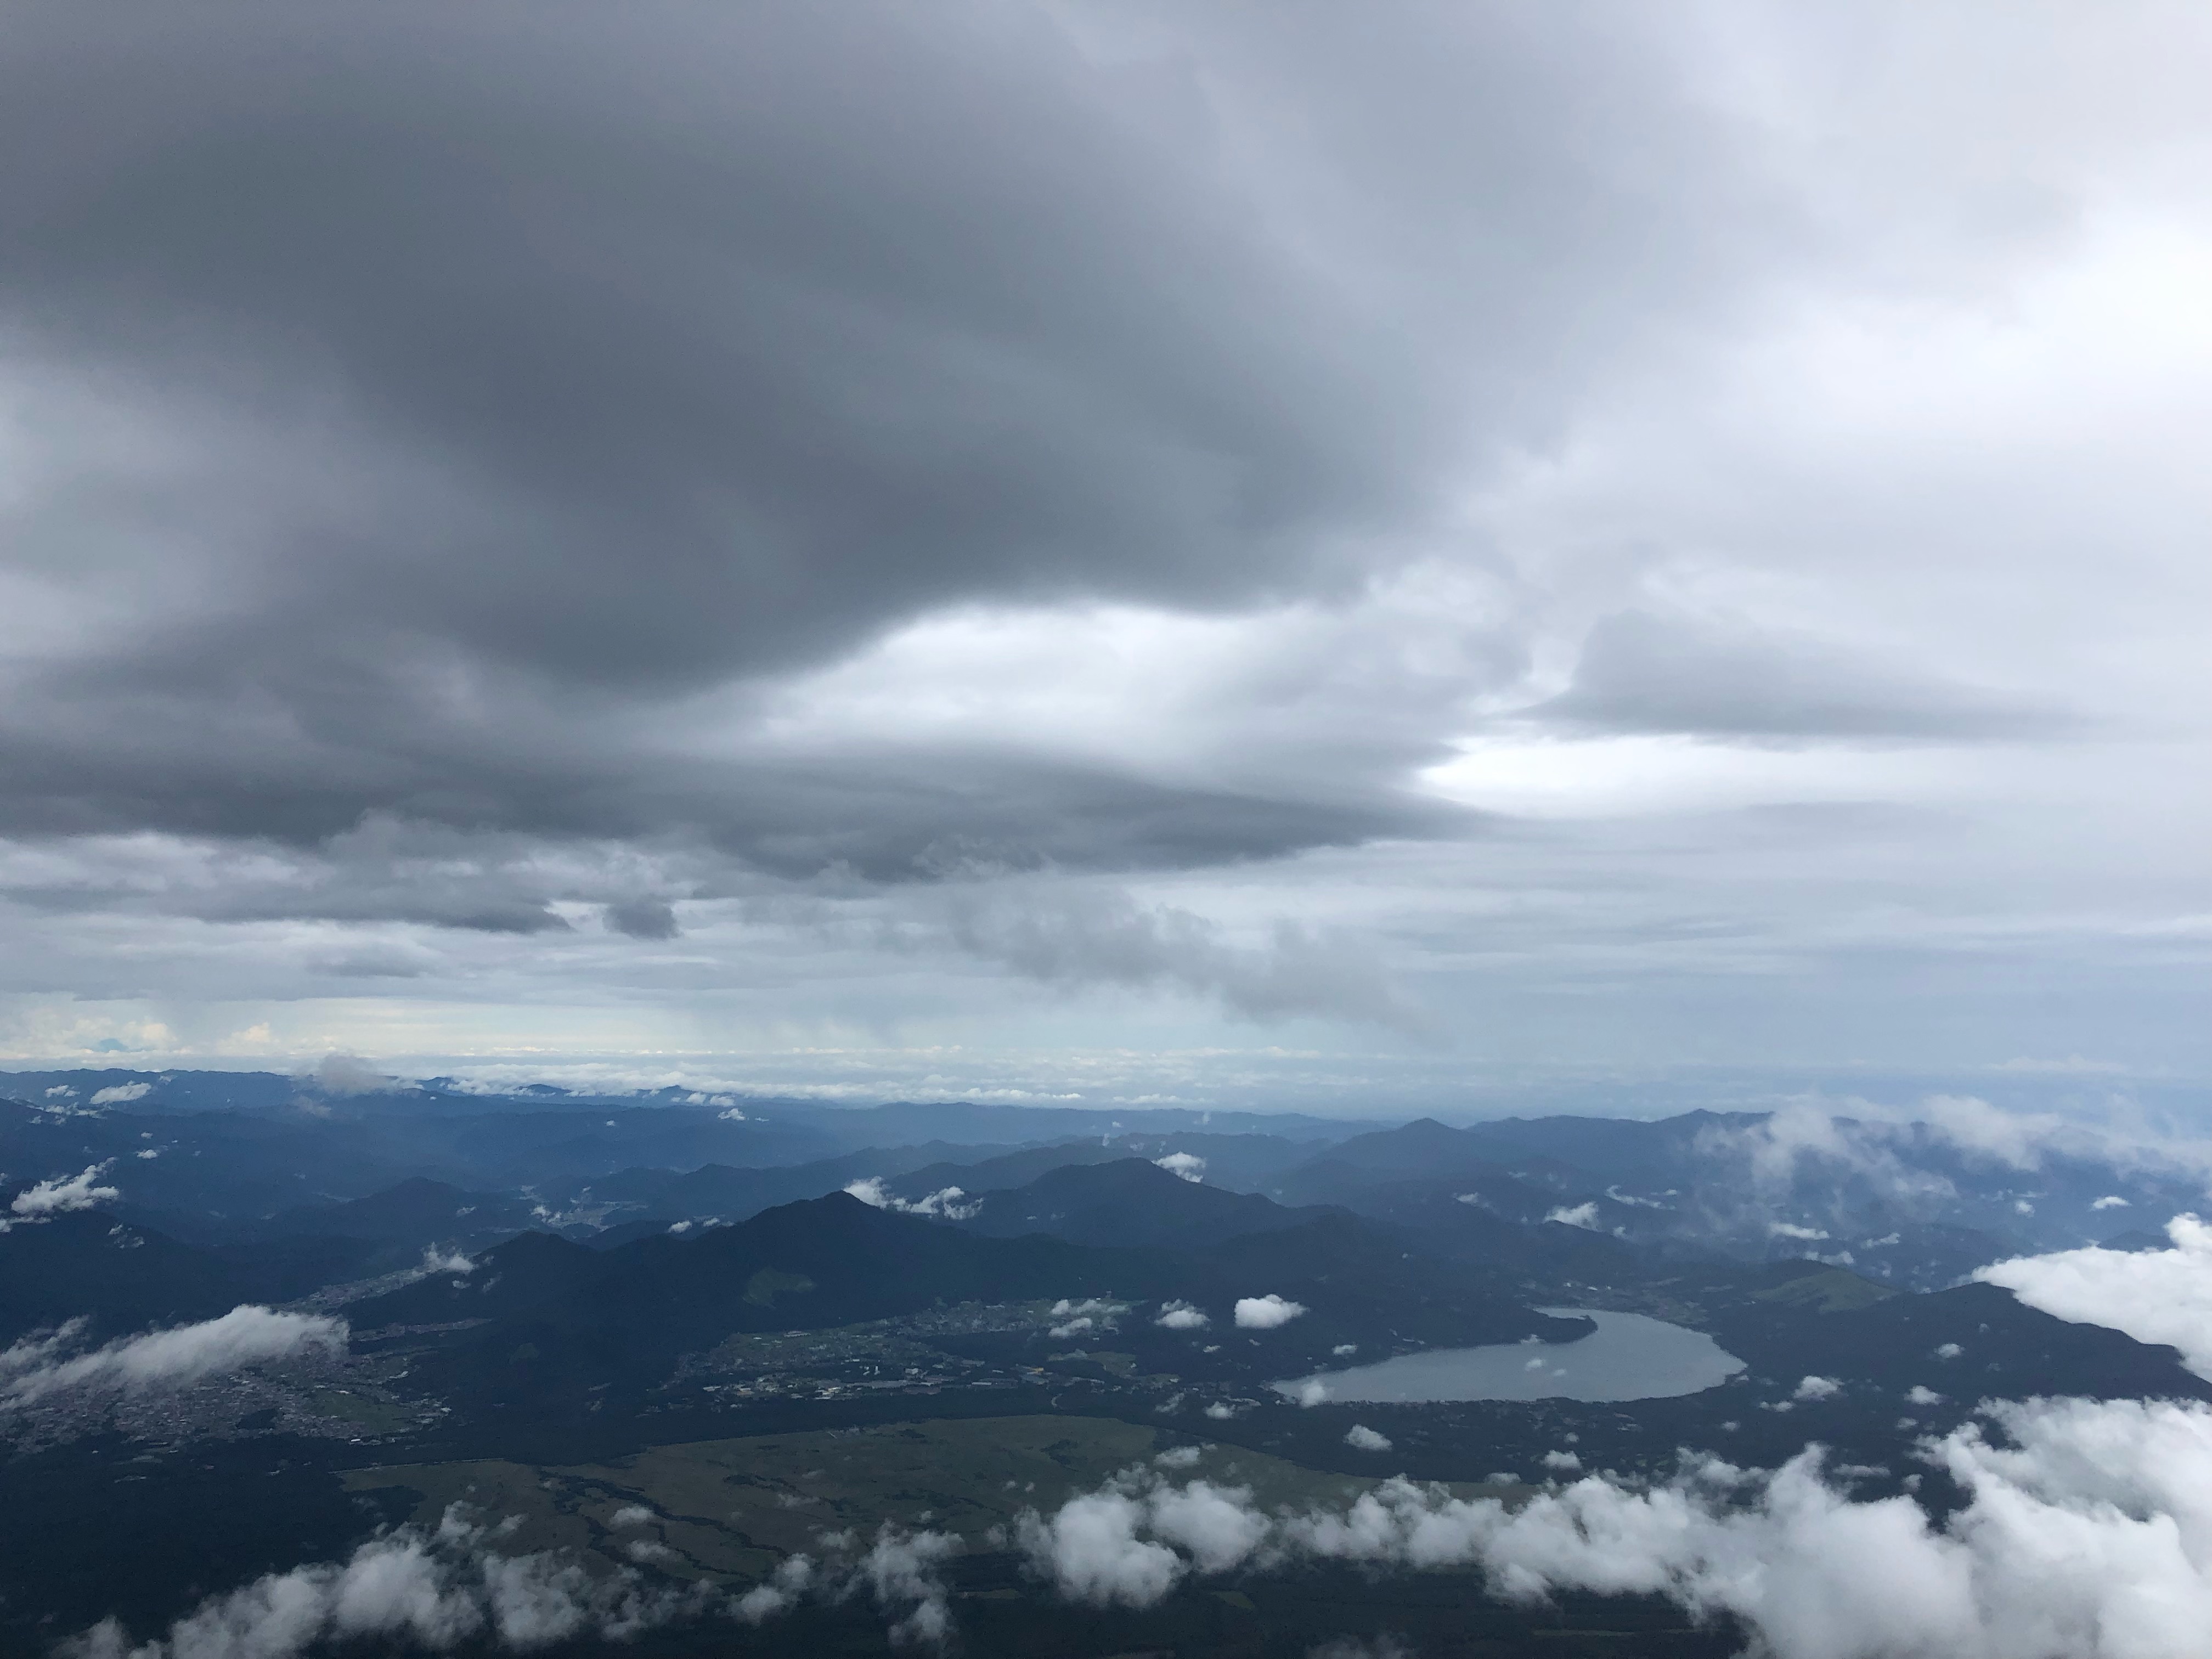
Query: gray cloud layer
point(556, 476)
point(531, 368)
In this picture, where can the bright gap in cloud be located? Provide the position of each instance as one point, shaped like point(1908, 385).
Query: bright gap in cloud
point(1594, 777)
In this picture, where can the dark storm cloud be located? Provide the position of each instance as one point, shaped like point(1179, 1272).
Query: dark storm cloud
point(465, 383)
point(1641, 672)
point(881, 816)
point(643, 918)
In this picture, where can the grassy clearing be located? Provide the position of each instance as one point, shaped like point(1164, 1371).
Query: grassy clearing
point(1832, 1291)
point(377, 1416)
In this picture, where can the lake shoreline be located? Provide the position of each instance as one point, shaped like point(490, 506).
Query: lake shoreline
point(1627, 1356)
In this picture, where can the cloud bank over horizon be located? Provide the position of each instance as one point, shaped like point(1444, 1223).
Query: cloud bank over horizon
point(1129, 527)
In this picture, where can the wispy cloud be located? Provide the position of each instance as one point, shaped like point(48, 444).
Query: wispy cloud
point(58, 1195)
point(36, 1367)
point(945, 1202)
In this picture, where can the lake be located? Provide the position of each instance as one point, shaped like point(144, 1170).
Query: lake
point(1629, 1357)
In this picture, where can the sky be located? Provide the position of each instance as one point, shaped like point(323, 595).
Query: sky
point(1137, 552)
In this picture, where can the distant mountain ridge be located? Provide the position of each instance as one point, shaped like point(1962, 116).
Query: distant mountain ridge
point(1128, 1201)
point(1909, 1207)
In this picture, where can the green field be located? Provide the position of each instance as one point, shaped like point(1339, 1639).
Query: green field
point(377, 1416)
point(728, 1510)
point(1831, 1291)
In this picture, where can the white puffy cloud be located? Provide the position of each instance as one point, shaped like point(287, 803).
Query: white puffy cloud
point(1817, 1387)
point(1182, 1316)
point(1089, 1314)
point(2086, 1535)
point(1265, 1313)
point(1090, 1550)
point(454, 1261)
point(174, 1359)
point(1189, 1165)
point(1363, 1438)
point(1216, 1526)
point(120, 1094)
point(2154, 1296)
point(57, 1194)
point(1089, 1306)
point(1580, 1215)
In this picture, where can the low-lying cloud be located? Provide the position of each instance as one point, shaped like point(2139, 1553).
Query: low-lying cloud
point(943, 1205)
point(449, 1586)
point(2153, 1296)
point(59, 1194)
point(435, 1588)
point(41, 1366)
point(2086, 1534)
